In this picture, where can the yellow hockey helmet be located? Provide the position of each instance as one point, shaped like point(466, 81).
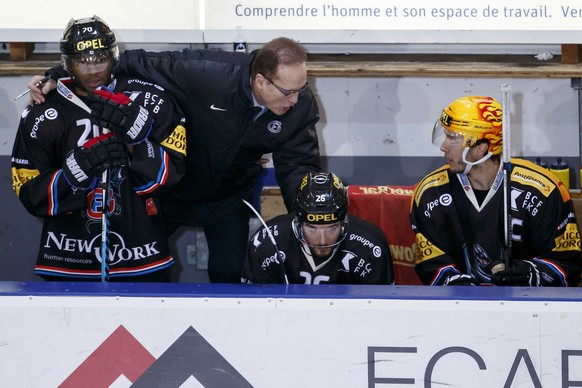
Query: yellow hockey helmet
point(473, 118)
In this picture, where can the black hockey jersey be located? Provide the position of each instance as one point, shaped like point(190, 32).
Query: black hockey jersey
point(455, 234)
point(71, 236)
point(363, 257)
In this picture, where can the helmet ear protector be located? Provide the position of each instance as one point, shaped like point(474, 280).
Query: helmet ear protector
point(89, 41)
point(470, 119)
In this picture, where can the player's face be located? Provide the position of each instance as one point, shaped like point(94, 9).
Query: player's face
point(322, 238)
point(281, 92)
point(91, 72)
point(452, 147)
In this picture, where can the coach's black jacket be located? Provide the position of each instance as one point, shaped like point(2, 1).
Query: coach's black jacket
point(224, 143)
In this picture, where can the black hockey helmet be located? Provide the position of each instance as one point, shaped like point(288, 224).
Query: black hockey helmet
point(321, 199)
point(87, 39)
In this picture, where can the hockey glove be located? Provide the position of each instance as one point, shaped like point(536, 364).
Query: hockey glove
point(460, 280)
point(84, 164)
point(119, 114)
point(523, 273)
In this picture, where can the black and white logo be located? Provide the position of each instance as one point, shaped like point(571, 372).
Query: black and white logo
point(51, 114)
point(446, 199)
point(214, 107)
point(274, 126)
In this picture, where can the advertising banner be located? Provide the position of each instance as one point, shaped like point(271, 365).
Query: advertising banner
point(123, 341)
point(336, 21)
point(395, 15)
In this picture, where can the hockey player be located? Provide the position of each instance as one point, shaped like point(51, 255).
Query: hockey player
point(238, 107)
point(320, 242)
point(457, 211)
point(60, 152)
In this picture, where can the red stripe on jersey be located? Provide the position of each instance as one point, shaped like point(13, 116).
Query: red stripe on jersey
point(52, 189)
point(164, 172)
point(149, 266)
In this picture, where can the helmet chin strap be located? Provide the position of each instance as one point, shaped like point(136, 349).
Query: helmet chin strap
point(469, 165)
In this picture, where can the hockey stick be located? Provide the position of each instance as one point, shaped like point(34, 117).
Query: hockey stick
point(105, 219)
point(272, 238)
point(63, 90)
point(104, 225)
point(506, 137)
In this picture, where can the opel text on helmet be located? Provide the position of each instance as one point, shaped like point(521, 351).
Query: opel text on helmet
point(471, 118)
point(88, 41)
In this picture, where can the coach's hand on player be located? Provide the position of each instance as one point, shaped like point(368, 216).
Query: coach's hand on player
point(460, 280)
point(83, 165)
point(522, 273)
point(38, 89)
point(120, 114)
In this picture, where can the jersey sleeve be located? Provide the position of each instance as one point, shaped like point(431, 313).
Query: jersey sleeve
point(552, 237)
point(436, 255)
point(37, 177)
point(158, 163)
point(264, 263)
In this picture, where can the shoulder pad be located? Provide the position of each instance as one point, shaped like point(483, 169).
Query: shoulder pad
point(530, 174)
point(436, 178)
